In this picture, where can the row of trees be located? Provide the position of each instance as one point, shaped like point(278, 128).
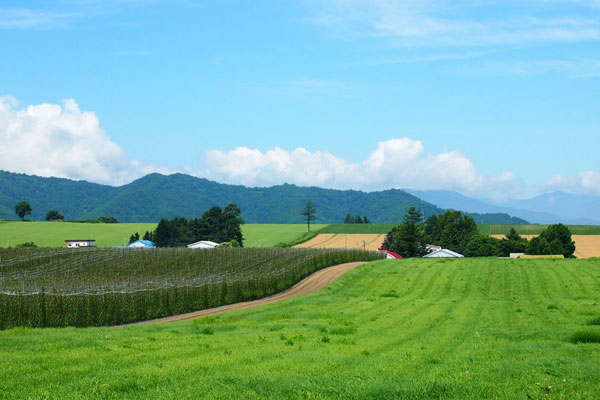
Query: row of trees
point(23, 208)
point(458, 232)
point(217, 225)
point(356, 219)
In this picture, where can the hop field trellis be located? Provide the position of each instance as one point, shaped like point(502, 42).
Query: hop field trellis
point(96, 287)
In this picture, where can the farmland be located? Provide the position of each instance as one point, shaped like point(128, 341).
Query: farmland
point(53, 234)
point(268, 235)
point(426, 329)
point(344, 241)
point(63, 287)
point(488, 229)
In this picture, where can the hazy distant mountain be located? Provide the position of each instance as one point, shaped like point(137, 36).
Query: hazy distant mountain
point(582, 209)
point(547, 210)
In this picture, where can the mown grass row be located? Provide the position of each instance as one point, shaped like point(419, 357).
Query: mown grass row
point(405, 329)
point(117, 286)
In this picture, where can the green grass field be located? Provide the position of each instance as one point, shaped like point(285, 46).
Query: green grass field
point(268, 235)
point(406, 329)
point(488, 229)
point(358, 228)
point(53, 234)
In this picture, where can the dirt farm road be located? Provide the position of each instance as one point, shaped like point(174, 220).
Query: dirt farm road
point(310, 284)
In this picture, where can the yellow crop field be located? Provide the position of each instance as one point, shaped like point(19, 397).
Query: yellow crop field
point(586, 246)
point(344, 241)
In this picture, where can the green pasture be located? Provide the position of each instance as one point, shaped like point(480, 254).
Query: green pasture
point(54, 234)
point(358, 228)
point(488, 229)
point(268, 235)
point(402, 329)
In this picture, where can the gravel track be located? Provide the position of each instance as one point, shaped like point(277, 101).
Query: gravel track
point(310, 284)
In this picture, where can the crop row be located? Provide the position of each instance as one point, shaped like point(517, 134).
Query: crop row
point(116, 286)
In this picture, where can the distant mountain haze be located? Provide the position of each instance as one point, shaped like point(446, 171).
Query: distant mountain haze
point(548, 208)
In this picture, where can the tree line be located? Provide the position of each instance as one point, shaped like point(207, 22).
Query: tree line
point(458, 232)
point(356, 219)
point(217, 225)
point(23, 208)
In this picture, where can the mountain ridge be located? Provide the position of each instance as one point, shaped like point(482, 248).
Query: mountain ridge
point(155, 196)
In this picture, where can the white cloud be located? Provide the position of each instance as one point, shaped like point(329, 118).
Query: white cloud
point(395, 163)
point(62, 141)
point(585, 182)
point(432, 23)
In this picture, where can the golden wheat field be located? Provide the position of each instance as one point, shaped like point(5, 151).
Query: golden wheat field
point(345, 241)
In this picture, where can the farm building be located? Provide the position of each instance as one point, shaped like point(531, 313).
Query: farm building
point(75, 244)
point(432, 247)
point(203, 244)
point(443, 253)
point(390, 255)
point(142, 244)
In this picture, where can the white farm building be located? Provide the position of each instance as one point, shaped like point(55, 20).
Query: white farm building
point(203, 244)
point(443, 253)
point(75, 244)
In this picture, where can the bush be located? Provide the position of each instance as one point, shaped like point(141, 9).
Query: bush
point(54, 215)
point(26, 244)
point(483, 246)
point(108, 219)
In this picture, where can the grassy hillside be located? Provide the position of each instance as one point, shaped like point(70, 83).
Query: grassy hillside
point(268, 235)
point(488, 229)
point(414, 329)
point(53, 234)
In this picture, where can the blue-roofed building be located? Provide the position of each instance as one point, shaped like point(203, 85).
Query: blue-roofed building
point(142, 244)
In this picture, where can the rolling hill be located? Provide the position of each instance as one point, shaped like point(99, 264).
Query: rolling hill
point(155, 196)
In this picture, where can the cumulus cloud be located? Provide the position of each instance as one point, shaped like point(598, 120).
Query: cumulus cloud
point(61, 141)
point(395, 163)
point(586, 182)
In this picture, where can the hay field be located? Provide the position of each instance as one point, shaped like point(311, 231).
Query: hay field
point(586, 246)
point(344, 241)
point(422, 329)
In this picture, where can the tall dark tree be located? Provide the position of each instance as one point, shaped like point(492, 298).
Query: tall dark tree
point(162, 233)
point(134, 238)
point(232, 224)
point(54, 215)
point(22, 209)
point(309, 212)
point(348, 219)
point(407, 239)
point(366, 220)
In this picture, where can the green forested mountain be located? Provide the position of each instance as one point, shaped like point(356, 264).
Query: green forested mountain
point(156, 196)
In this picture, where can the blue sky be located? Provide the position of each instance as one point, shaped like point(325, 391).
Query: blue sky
point(493, 99)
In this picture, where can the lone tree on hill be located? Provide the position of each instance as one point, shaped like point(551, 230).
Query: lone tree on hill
point(309, 212)
point(54, 215)
point(22, 209)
